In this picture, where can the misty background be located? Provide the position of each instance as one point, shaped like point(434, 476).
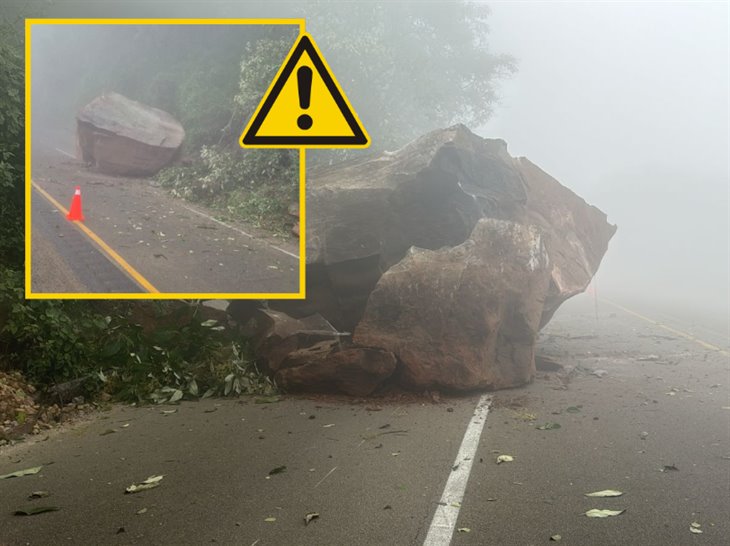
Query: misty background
point(626, 103)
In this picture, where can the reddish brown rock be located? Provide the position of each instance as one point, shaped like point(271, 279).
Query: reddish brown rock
point(329, 367)
point(578, 234)
point(466, 317)
point(275, 335)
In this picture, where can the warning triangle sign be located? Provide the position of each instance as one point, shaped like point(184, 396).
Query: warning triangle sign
point(304, 107)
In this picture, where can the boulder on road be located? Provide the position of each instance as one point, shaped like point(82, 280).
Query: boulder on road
point(124, 137)
point(465, 317)
point(449, 253)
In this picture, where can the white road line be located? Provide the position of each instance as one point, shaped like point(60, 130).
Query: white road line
point(65, 153)
point(447, 512)
point(295, 256)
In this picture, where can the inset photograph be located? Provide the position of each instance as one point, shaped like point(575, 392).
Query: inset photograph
point(137, 183)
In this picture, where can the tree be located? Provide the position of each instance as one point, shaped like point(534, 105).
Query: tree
point(410, 67)
point(12, 154)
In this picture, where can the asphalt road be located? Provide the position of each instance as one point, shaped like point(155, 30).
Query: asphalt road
point(175, 246)
point(66, 261)
point(376, 471)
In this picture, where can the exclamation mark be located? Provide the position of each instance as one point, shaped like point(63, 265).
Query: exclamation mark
point(304, 79)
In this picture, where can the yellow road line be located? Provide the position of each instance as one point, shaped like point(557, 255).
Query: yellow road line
point(680, 333)
point(109, 251)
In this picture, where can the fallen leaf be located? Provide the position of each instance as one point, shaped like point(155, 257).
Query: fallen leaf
point(169, 411)
point(605, 493)
point(141, 511)
point(464, 530)
point(176, 396)
point(108, 431)
point(648, 358)
point(596, 513)
point(572, 409)
point(32, 511)
point(555, 538)
point(695, 530)
point(669, 468)
point(267, 400)
point(695, 525)
point(328, 426)
point(38, 495)
point(455, 504)
point(277, 470)
point(525, 416)
point(270, 520)
point(505, 459)
point(549, 426)
point(309, 517)
point(149, 483)
point(19, 473)
point(125, 425)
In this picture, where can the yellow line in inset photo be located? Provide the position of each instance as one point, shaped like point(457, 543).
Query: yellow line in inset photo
point(680, 333)
point(109, 251)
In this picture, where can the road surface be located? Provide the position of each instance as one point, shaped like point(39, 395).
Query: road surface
point(641, 409)
point(137, 238)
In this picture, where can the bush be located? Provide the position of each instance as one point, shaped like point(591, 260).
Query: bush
point(256, 185)
point(50, 341)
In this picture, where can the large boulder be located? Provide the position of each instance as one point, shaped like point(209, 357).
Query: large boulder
point(451, 223)
point(465, 317)
point(121, 136)
point(364, 215)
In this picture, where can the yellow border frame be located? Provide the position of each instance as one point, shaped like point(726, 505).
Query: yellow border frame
point(29, 294)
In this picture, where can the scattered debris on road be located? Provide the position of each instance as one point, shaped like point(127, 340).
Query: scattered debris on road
point(38, 495)
point(309, 517)
point(549, 426)
point(20, 473)
point(32, 511)
point(602, 513)
point(149, 483)
point(605, 493)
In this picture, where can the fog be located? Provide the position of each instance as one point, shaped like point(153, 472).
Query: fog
point(626, 103)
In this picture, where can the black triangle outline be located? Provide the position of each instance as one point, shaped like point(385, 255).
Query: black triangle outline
point(251, 137)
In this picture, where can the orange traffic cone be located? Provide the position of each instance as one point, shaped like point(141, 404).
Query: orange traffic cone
point(75, 212)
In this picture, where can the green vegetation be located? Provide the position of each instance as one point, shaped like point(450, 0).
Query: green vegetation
point(136, 351)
